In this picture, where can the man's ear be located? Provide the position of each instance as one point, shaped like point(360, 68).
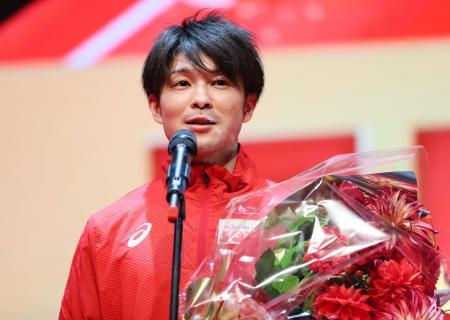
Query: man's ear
point(249, 107)
point(155, 109)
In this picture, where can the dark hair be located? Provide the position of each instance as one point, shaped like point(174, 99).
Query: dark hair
point(230, 47)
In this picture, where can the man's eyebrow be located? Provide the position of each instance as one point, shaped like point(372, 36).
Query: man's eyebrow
point(189, 70)
point(181, 70)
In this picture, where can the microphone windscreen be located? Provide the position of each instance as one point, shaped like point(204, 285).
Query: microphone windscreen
point(185, 137)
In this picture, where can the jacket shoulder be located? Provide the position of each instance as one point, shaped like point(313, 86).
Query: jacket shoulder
point(129, 209)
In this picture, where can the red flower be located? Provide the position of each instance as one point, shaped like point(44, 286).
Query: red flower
point(393, 280)
point(394, 209)
point(323, 264)
point(398, 209)
point(412, 306)
point(353, 191)
point(320, 250)
point(339, 302)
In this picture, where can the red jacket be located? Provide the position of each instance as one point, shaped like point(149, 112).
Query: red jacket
point(123, 262)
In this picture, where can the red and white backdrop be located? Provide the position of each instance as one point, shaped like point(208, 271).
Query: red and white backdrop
point(84, 32)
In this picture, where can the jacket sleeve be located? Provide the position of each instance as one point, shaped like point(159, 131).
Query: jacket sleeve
point(80, 299)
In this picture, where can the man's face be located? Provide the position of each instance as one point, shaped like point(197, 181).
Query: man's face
point(205, 102)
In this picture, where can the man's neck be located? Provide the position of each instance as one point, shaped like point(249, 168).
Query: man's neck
point(228, 161)
point(230, 164)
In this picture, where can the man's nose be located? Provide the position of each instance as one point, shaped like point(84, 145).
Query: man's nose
point(201, 98)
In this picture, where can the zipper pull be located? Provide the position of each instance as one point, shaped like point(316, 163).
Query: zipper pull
point(205, 178)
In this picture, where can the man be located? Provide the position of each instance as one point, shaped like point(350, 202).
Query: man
point(204, 75)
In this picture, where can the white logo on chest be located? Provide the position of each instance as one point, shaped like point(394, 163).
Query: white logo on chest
point(142, 232)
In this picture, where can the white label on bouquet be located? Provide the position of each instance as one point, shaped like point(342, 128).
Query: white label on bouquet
point(233, 231)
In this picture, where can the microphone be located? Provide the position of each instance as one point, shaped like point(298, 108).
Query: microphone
point(182, 149)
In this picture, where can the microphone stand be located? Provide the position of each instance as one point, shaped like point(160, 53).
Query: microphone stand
point(176, 260)
point(182, 148)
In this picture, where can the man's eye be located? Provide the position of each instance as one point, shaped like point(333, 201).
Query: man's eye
point(221, 82)
point(182, 83)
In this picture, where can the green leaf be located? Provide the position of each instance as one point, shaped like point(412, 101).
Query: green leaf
point(287, 258)
point(299, 222)
point(299, 253)
point(308, 302)
point(286, 261)
point(276, 264)
point(323, 221)
point(306, 273)
point(271, 291)
point(265, 266)
point(286, 242)
point(285, 283)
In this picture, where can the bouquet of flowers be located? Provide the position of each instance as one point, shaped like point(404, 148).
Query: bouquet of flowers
point(347, 239)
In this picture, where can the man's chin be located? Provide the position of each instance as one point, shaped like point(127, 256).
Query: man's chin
point(210, 154)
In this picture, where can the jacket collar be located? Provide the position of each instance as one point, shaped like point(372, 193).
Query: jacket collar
point(221, 184)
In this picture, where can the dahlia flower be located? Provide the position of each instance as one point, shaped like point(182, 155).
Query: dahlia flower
point(339, 302)
point(394, 209)
point(394, 279)
point(414, 305)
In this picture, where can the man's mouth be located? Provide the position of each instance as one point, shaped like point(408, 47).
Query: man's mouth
point(200, 122)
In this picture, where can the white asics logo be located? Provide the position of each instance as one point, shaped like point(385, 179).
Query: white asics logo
point(142, 232)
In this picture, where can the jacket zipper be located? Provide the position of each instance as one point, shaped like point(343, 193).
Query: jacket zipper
point(203, 230)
